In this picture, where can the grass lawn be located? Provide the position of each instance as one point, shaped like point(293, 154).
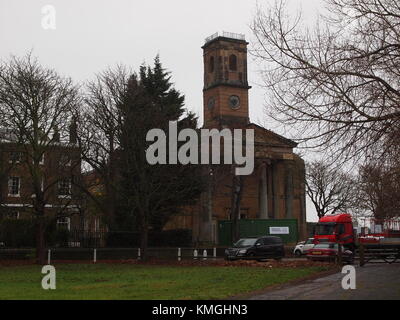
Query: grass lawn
point(124, 281)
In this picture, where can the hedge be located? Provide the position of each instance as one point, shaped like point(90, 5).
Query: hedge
point(22, 234)
point(168, 238)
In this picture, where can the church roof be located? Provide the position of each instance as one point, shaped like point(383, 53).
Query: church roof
point(270, 137)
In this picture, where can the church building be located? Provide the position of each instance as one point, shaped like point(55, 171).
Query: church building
point(276, 188)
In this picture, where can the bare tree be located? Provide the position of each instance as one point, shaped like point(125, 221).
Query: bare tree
point(329, 189)
point(99, 133)
point(36, 105)
point(337, 83)
point(380, 189)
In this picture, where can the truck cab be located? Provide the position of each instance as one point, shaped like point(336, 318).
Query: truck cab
point(337, 228)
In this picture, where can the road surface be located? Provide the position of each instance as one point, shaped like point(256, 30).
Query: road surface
point(373, 282)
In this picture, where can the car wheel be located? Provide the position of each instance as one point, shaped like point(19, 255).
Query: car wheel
point(251, 255)
point(297, 253)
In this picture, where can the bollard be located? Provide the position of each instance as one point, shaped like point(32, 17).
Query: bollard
point(138, 254)
point(179, 254)
point(205, 254)
point(195, 254)
point(94, 256)
point(48, 256)
point(215, 253)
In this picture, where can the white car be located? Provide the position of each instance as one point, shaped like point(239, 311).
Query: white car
point(303, 246)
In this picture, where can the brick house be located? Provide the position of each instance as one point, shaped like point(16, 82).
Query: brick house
point(61, 172)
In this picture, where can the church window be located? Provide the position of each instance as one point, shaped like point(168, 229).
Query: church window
point(233, 62)
point(211, 68)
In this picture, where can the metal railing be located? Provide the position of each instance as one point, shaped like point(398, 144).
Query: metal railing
point(114, 254)
point(225, 34)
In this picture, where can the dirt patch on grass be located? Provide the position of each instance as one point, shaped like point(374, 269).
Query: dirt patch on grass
point(187, 263)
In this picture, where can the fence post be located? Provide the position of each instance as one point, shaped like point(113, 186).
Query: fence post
point(48, 256)
point(179, 254)
point(94, 256)
point(195, 254)
point(362, 255)
point(215, 253)
point(138, 254)
point(205, 254)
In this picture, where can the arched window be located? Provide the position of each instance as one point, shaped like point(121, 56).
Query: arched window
point(211, 67)
point(233, 62)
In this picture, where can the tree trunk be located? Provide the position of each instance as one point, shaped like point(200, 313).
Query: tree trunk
point(40, 243)
point(144, 239)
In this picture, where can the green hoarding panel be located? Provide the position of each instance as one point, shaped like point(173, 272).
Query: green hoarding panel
point(286, 229)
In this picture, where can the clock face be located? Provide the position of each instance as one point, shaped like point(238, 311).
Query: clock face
point(234, 102)
point(211, 103)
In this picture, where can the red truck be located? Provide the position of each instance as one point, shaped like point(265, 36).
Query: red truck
point(338, 228)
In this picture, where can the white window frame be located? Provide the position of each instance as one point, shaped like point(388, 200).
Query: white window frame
point(16, 195)
point(66, 222)
point(65, 196)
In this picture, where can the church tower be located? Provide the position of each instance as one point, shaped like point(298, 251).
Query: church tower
point(225, 93)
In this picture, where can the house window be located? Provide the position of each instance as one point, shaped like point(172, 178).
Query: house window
point(233, 62)
point(14, 184)
point(15, 157)
point(64, 188)
point(64, 223)
point(65, 160)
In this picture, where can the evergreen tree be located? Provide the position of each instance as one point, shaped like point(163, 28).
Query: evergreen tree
point(151, 194)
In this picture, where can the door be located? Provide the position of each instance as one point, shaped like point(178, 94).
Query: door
point(308, 245)
point(259, 248)
point(269, 247)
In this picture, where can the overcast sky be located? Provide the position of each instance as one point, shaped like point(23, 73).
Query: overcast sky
point(91, 35)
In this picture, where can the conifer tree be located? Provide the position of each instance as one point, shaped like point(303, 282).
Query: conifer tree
point(151, 194)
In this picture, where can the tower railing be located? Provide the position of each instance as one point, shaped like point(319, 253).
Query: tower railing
point(225, 34)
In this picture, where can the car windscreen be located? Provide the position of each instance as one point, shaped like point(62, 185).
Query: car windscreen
point(245, 243)
point(325, 228)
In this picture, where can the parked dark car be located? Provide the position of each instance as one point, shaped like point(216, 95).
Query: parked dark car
point(256, 248)
point(329, 252)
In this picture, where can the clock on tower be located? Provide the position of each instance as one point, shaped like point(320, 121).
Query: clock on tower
point(226, 99)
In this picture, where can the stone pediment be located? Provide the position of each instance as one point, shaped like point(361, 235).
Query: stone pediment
point(267, 137)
